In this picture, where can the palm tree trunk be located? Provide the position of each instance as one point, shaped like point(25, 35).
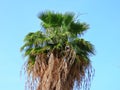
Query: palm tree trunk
point(55, 76)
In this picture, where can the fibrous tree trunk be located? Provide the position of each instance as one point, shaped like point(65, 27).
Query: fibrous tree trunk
point(56, 75)
point(59, 73)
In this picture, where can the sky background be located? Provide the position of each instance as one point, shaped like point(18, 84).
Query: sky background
point(19, 17)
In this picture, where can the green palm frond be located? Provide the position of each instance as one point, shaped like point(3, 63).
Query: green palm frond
point(33, 42)
point(82, 47)
point(68, 18)
point(51, 19)
point(83, 50)
point(78, 28)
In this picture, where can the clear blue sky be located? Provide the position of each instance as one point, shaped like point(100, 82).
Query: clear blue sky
point(18, 17)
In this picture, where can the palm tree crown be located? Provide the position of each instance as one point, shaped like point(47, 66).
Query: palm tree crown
point(60, 36)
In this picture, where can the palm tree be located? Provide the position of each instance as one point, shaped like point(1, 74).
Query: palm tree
point(57, 56)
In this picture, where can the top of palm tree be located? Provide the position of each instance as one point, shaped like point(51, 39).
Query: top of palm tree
point(59, 30)
point(60, 33)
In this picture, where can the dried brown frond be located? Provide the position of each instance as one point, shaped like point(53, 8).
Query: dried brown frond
point(57, 72)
